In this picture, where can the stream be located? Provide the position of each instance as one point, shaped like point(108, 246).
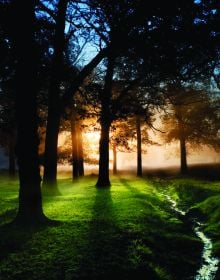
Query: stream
point(209, 264)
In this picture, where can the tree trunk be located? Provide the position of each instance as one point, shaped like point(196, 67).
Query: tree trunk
point(139, 150)
point(114, 159)
point(54, 106)
point(77, 148)
point(80, 153)
point(50, 155)
point(103, 178)
point(105, 122)
point(183, 160)
point(74, 136)
point(30, 201)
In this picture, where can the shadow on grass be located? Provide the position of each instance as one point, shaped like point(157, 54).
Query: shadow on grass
point(127, 183)
point(106, 254)
point(8, 216)
point(14, 236)
point(174, 250)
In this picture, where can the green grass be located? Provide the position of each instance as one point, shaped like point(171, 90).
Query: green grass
point(128, 230)
point(201, 198)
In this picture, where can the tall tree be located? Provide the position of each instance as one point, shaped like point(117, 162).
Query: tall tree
point(77, 146)
point(77, 113)
point(115, 21)
point(105, 121)
point(122, 133)
point(54, 110)
point(30, 201)
point(59, 101)
point(80, 152)
point(192, 120)
point(139, 149)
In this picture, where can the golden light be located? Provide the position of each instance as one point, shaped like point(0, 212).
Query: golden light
point(63, 137)
point(154, 157)
point(92, 136)
point(91, 145)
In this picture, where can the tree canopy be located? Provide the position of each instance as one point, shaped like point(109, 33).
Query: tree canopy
point(123, 58)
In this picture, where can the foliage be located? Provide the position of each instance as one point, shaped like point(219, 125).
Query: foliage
point(147, 45)
point(192, 114)
point(123, 135)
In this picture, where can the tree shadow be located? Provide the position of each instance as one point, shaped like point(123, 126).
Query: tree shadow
point(103, 240)
point(8, 216)
point(106, 254)
point(135, 191)
point(146, 202)
point(14, 236)
point(166, 233)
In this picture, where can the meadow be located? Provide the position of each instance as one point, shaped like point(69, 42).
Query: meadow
point(127, 231)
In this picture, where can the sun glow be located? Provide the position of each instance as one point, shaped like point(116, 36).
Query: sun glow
point(155, 156)
point(92, 136)
point(62, 138)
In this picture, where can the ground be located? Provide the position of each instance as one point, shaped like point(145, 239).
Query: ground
point(128, 231)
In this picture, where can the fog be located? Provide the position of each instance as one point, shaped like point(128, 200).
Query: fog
point(166, 156)
point(155, 156)
point(163, 157)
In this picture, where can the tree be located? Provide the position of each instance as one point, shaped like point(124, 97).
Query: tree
point(109, 20)
point(58, 101)
point(54, 111)
point(190, 119)
point(77, 146)
point(30, 201)
point(115, 21)
point(105, 122)
point(139, 149)
point(120, 134)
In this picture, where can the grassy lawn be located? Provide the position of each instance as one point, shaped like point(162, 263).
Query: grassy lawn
point(127, 231)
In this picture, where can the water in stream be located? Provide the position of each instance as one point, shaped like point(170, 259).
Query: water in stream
point(209, 264)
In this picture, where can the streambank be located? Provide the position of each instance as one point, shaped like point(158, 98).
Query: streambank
point(209, 263)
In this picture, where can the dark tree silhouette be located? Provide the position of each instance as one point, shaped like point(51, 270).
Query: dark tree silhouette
point(54, 110)
point(139, 149)
point(105, 121)
point(74, 137)
point(30, 201)
point(57, 101)
point(192, 119)
point(77, 145)
point(121, 133)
